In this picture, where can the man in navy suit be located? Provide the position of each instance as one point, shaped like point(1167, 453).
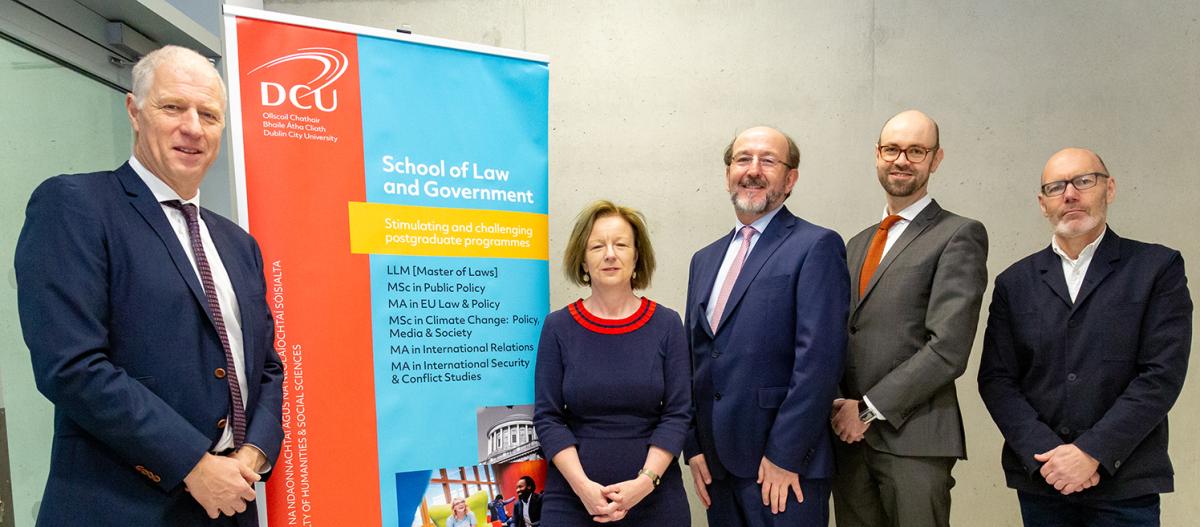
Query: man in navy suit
point(146, 320)
point(1085, 351)
point(766, 312)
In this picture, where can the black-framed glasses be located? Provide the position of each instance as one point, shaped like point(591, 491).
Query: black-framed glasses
point(914, 154)
point(766, 162)
point(1080, 182)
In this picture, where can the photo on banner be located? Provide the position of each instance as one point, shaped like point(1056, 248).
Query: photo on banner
point(398, 187)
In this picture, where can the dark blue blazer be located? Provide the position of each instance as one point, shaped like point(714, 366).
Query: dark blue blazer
point(1100, 372)
point(123, 344)
point(765, 382)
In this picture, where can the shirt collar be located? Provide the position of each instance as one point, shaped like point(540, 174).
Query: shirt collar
point(760, 224)
point(1085, 255)
point(162, 192)
point(910, 212)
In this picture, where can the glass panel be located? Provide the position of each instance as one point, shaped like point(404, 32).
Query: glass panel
point(56, 121)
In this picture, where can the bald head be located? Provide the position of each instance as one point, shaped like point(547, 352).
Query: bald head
point(793, 152)
point(1072, 161)
point(912, 121)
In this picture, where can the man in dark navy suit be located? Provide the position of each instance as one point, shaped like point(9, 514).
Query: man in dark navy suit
point(766, 312)
point(527, 511)
point(1085, 351)
point(148, 326)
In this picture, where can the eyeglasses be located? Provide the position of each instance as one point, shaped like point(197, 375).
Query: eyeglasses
point(1080, 182)
point(766, 162)
point(915, 154)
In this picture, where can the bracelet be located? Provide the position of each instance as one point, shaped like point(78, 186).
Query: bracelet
point(650, 474)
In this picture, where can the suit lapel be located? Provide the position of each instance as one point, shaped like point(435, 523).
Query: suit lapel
point(854, 258)
point(914, 229)
point(1107, 252)
point(1050, 267)
point(241, 283)
point(776, 231)
point(151, 211)
point(709, 265)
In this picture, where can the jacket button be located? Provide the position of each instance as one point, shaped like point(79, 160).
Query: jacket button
point(1071, 377)
point(853, 330)
point(1117, 464)
point(1065, 431)
point(221, 423)
point(716, 354)
point(717, 396)
point(219, 373)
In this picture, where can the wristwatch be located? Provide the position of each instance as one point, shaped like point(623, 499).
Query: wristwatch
point(654, 478)
point(865, 413)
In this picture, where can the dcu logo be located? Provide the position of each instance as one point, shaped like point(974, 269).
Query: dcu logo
point(308, 95)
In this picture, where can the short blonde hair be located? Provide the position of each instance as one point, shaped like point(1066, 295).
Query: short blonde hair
point(147, 66)
point(574, 255)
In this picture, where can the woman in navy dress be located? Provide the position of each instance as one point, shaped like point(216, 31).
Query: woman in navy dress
point(613, 385)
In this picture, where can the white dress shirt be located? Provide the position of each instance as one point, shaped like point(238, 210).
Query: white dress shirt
point(907, 216)
point(735, 243)
point(1075, 270)
point(225, 294)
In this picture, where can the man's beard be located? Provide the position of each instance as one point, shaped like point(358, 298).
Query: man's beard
point(1077, 228)
point(750, 206)
point(900, 189)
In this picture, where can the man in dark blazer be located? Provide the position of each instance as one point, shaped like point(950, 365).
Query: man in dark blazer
point(527, 511)
point(140, 343)
point(916, 280)
point(1085, 352)
point(766, 308)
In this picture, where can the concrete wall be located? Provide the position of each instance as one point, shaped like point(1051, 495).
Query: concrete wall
point(645, 95)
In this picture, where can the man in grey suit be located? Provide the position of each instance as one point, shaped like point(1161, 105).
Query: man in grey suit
point(917, 281)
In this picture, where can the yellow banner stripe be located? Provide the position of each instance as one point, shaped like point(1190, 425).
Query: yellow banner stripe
point(380, 228)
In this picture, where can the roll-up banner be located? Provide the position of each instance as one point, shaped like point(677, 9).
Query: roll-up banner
point(397, 185)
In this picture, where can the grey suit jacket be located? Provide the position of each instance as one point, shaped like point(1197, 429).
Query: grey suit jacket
point(911, 333)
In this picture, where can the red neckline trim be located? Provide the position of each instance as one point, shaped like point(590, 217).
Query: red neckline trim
point(610, 326)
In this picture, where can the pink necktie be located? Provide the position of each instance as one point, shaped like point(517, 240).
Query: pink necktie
point(747, 232)
point(214, 306)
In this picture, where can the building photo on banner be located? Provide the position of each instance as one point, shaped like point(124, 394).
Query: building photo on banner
point(398, 187)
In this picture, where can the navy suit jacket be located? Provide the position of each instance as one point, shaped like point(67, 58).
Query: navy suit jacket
point(1100, 372)
point(124, 346)
point(535, 511)
point(764, 382)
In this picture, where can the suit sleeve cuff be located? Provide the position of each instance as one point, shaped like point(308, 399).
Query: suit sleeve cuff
point(878, 415)
point(1111, 461)
point(266, 464)
point(670, 440)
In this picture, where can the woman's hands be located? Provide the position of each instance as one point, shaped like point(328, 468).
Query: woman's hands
point(627, 494)
point(593, 496)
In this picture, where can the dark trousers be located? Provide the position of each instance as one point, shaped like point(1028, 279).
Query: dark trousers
point(1054, 511)
point(878, 489)
point(737, 502)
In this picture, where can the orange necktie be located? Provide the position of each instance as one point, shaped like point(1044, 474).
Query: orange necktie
point(875, 253)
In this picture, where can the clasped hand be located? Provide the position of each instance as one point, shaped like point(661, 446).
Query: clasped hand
point(1069, 469)
point(846, 424)
point(611, 503)
point(222, 485)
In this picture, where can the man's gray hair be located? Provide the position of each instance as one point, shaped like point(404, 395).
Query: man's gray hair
point(143, 71)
